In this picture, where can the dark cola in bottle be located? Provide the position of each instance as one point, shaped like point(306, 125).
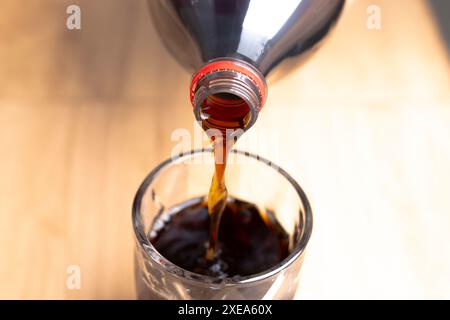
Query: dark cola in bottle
point(232, 46)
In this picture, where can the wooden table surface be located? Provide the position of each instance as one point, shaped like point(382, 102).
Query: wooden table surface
point(364, 126)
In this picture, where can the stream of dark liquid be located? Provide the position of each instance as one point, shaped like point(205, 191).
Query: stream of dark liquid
point(227, 118)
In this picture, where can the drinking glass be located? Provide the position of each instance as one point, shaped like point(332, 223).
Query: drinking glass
point(249, 177)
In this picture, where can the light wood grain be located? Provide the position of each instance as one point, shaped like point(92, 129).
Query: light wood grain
point(84, 115)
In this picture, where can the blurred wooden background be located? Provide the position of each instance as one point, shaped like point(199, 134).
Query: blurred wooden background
point(84, 115)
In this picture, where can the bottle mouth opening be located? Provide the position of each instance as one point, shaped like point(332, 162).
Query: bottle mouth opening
point(226, 100)
point(227, 94)
point(224, 112)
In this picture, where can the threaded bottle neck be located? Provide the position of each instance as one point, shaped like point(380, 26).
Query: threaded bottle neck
point(227, 94)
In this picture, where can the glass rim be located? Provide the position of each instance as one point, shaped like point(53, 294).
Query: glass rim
point(145, 244)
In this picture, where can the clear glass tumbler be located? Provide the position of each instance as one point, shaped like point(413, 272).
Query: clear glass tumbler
point(248, 177)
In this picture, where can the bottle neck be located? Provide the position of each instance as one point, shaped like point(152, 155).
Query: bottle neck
point(227, 94)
